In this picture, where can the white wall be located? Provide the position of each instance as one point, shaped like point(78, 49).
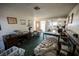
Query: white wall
point(75, 25)
point(13, 11)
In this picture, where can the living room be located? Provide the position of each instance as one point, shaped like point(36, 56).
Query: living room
point(29, 25)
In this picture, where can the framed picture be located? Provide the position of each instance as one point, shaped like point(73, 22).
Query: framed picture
point(72, 17)
point(0, 27)
point(23, 21)
point(12, 20)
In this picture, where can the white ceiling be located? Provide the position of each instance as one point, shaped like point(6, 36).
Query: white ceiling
point(46, 9)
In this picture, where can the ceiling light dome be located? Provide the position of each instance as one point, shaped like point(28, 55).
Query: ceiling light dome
point(37, 8)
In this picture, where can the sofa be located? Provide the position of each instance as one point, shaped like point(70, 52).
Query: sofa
point(48, 47)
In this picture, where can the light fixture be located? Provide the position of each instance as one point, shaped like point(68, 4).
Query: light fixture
point(37, 8)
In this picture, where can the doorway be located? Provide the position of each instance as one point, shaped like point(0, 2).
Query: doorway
point(42, 25)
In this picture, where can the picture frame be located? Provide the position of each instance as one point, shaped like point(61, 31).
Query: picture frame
point(72, 17)
point(22, 21)
point(0, 26)
point(12, 20)
point(29, 23)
